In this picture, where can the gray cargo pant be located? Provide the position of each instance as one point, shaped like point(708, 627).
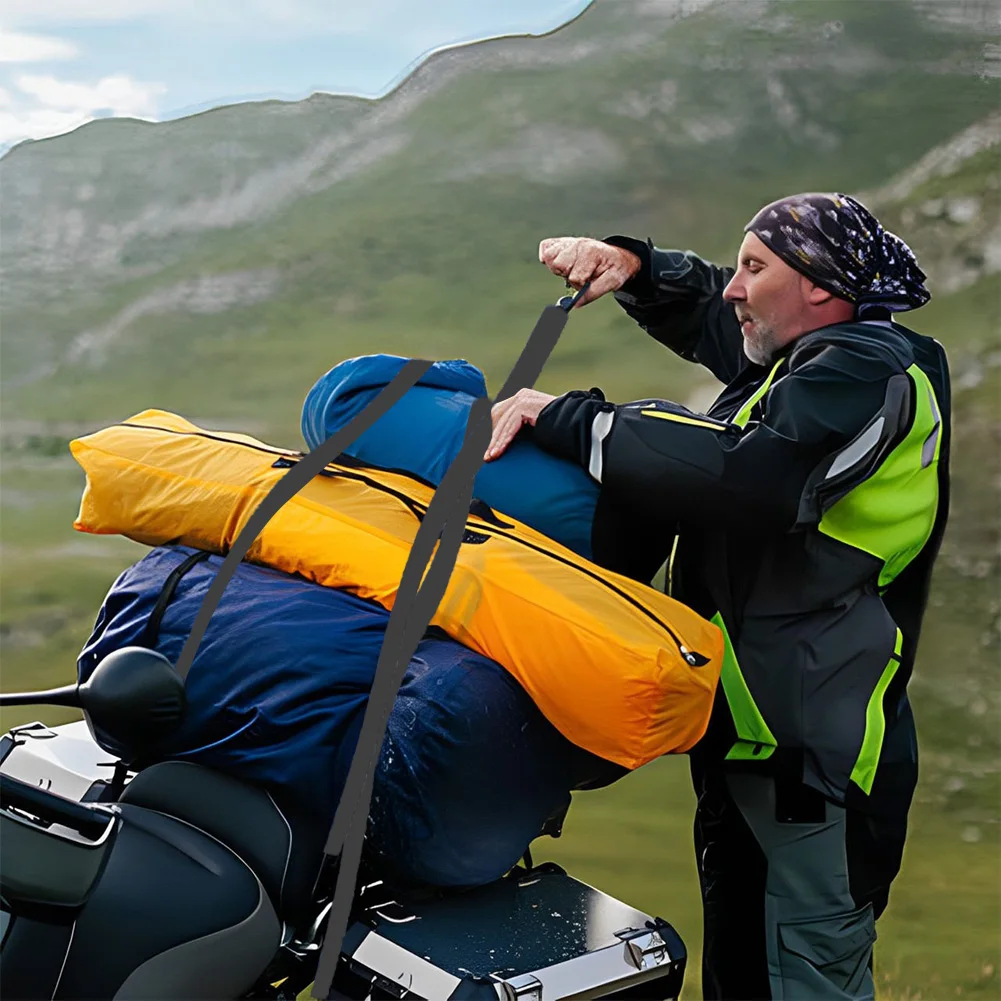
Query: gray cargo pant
point(791, 887)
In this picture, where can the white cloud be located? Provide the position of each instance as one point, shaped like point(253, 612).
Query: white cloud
point(37, 123)
point(119, 94)
point(16, 47)
point(46, 106)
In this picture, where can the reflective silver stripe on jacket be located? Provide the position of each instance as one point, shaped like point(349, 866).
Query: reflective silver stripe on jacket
point(600, 428)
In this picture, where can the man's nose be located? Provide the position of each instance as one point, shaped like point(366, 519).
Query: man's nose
point(733, 292)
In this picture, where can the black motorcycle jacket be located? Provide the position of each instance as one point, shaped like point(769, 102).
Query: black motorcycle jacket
point(806, 506)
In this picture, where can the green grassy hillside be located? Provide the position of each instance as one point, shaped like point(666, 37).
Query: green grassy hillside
point(217, 265)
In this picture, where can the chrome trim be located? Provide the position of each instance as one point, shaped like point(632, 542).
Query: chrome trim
point(526, 986)
point(647, 952)
point(400, 966)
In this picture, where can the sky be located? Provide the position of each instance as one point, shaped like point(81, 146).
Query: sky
point(66, 62)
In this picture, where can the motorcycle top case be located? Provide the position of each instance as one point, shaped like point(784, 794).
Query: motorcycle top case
point(537, 935)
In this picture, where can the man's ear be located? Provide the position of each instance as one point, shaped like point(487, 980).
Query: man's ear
point(814, 294)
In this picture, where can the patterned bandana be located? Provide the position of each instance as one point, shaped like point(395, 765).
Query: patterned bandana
point(838, 244)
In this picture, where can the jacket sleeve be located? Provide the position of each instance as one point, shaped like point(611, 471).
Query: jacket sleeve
point(677, 298)
point(665, 462)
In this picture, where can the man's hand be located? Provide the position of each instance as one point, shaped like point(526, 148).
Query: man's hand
point(509, 415)
point(580, 259)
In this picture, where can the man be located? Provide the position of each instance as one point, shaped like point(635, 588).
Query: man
point(808, 506)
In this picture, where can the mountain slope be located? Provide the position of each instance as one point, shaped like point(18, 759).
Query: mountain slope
point(292, 234)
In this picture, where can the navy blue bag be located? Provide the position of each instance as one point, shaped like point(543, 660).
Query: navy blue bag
point(469, 772)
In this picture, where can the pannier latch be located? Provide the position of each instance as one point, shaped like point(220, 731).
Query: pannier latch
point(645, 949)
point(525, 987)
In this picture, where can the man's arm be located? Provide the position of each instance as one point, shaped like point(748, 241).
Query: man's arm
point(676, 297)
point(666, 463)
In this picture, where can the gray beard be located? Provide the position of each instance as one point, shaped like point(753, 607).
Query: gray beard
point(762, 348)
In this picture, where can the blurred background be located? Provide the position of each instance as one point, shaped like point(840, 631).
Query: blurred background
point(216, 264)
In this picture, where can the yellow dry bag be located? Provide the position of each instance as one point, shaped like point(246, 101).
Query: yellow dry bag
point(619, 668)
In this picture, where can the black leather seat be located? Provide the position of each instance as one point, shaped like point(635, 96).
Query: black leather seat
point(283, 847)
point(193, 902)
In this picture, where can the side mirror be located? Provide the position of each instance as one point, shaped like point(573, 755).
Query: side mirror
point(132, 701)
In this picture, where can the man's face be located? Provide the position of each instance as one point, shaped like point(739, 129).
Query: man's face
point(769, 300)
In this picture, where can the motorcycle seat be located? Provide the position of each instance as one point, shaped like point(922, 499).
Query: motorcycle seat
point(281, 845)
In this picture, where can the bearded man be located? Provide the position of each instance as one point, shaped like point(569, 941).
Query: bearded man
point(807, 507)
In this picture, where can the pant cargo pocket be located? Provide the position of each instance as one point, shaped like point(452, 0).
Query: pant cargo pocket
point(827, 959)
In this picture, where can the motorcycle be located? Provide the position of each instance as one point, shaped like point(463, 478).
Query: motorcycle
point(172, 880)
point(127, 876)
